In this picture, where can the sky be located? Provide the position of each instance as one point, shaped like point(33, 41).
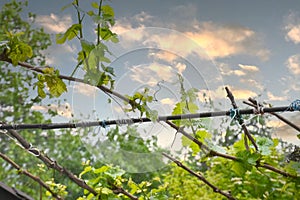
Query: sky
point(251, 46)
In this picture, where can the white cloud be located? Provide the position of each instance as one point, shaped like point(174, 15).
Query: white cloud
point(242, 93)
point(152, 73)
point(242, 71)
point(221, 41)
point(180, 67)
point(250, 68)
point(164, 55)
point(214, 40)
point(292, 27)
point(220, 93)
point(272, 97)
point(63, 110)
point(143, 17)
point(254, 83)
point(84, 89)
point(293, 64)
point(293, 34)
point(168, 101)
point(54, 23)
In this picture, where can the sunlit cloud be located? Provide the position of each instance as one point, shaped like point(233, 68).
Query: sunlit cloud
point(54, 23)
point(242, 71)
point(168, 101)
point(215, 40)
point(243, 93)
point(272, 97)
point(63, 110)
point(250, 68)
point(293, 64)
point(292, 27)
point(284, 131)
point(220, 93)
point(221, 41)
point(84, 89)
point(216, 94)
point(180, 67)
point(163, 55)
point(151, 74)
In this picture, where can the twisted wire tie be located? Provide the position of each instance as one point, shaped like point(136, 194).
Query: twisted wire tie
point(103, 124)
point(234, 113)
point(295, 105)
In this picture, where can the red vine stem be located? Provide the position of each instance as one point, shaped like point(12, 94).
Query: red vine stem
point(54, 165)
point(28, 174)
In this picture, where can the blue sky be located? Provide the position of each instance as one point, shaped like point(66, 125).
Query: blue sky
point(251, 46)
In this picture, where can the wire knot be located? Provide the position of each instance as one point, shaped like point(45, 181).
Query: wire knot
point(295, 105)
point(234, 113)
point(103, 124)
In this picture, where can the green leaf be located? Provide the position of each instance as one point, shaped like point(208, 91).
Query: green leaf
point(264, 144)
point(202, 135)
point(18, 51)
point(185, 141)
point(66, 6)
point(246, 162)
point(41, 92)
point(178, 108)
point(86, 170)
point(114, 172)
point(151, 114)
point(298, 136)
point(239, 168)
point(90, 13)
point(87, 46)
point(106, 191)
point(101, 169)
point(293, 167)
point(108, 10)
point(69, 34)
point(95, 5)
point(193, 108)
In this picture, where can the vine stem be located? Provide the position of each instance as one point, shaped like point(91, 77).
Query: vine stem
point(241, 121)
point(28, 174)
point(54, 165)
point(98, 25)
point(259, 106)
point(226, 156)
point(200, 177)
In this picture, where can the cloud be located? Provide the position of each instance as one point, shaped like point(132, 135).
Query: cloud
point(164, 55)
point(292, 27)
point(168, 101)
point(250, 68)
point(242, 71)
point(214, 40)
point(152, 73)
point(220, 93)
point(63, 110)
point(242, 93)
point(284, 131)
point(220, 41)
point(84, 89)
point(293, 64)
point(253, 83)
point(272, 97)
point(54, 23)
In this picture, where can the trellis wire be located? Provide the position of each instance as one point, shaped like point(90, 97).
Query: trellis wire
point(105, 123)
